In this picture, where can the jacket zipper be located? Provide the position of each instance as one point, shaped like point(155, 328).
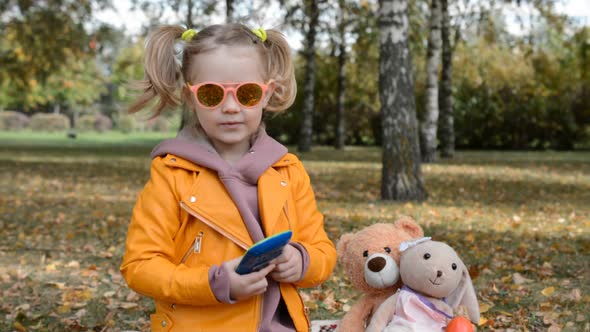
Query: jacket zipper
point(214, 226)
point(194, 248)
point(198, 240)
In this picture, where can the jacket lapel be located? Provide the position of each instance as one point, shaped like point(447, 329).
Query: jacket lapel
point(273, 189)
point(210, 202)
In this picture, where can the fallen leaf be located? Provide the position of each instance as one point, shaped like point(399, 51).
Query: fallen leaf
point(484, 307)
point(482, 321)
point(73, 264)
point(576, 295)
point(518, 279)
point(58, 285)
point(127, 305)
point(19, 327)
point(548, 291)
point(109, 294)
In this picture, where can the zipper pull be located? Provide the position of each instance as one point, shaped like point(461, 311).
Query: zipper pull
point(198, 240)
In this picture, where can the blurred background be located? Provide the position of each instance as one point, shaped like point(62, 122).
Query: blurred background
point(520, 74)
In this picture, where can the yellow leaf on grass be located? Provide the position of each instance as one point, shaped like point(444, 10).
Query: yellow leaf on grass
point(506, 279)
point(482, 321)
point(58, 285)
point(546, 306)
point(548, 291)
point(19, 327)
point(483, 307)
point(64, 309)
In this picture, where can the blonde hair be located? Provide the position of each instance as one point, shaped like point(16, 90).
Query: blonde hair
point(163, 77)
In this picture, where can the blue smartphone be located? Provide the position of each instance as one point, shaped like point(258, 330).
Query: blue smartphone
point(262, 252)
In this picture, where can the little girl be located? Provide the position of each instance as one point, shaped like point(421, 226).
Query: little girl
point(221, 185)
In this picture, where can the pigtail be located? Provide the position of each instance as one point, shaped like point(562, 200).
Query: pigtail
point(281, 69)
point(161, 71)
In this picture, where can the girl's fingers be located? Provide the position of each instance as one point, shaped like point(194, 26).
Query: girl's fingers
point(259, 275)
point(284, 274)
point(284, 267)
point(259, 287)
point(232, 264)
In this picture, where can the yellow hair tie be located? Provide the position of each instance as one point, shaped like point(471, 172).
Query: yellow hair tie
point(188, 34)
point(261, 33)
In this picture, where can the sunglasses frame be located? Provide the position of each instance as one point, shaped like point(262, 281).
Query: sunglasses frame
point(233, 90)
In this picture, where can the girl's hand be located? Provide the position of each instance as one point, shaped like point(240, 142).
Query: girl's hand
point(247, 285)
point(288, 265)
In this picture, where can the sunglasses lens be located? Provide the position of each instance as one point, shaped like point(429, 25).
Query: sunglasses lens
point(249, 94)
point(210, 95)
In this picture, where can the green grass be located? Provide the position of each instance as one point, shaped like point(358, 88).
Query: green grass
point(31, 138)
point(65, 205)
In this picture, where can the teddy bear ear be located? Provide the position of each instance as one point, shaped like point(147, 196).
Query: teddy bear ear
point(342, 244)
point(410, 226)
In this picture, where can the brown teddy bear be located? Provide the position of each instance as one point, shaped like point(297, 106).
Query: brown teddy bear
point(370, 258)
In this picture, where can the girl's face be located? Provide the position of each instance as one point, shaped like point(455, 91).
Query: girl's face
point(229, 126)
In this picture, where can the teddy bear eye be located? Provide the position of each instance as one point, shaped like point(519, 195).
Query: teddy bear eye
point(366, 253)
point(387, 250)
point(426, 256)
point(454, 266)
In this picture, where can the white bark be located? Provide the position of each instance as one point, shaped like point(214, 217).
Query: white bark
point(428, 139)
point(401, 174)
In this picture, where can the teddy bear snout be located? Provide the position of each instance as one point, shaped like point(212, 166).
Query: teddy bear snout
point(381, 271)
point(439, 273)
point(376, 264)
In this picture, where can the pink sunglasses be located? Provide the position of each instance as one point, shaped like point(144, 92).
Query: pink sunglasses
point(210, 95)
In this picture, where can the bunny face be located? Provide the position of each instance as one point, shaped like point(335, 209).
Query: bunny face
point(432, 268)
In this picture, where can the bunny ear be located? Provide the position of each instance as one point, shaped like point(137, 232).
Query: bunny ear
point(464, 295)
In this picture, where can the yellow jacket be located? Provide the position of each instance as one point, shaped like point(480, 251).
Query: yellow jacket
point(184, 221)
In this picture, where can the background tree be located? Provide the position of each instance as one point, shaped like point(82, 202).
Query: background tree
point(446, 126)
point(39, 39)
point(340, 140)
point(429, 125)
point(401, 173)
point(306, 136)
point(229, 10)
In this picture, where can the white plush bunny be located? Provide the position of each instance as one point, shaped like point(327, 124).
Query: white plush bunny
point(436, 283)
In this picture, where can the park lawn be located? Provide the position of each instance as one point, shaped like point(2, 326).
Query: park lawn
point(520, 221)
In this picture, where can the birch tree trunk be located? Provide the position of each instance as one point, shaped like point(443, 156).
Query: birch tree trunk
point(186, 115)
point(229, 11)
point(306, 134)
point(401, 174)
point(446, 120)
point(428, 127)
point(340, 141)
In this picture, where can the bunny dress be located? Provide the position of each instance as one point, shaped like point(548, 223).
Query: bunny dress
point(415, 313)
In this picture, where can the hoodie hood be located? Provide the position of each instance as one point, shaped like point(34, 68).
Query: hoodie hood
point(193, 145)
point(241, 179)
